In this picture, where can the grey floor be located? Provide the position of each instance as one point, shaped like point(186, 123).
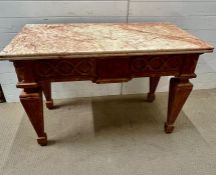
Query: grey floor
point(120, 135)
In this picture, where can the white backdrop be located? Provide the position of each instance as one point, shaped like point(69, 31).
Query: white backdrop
point(198, 17)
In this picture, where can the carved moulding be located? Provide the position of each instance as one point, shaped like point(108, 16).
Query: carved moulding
point(101, 70)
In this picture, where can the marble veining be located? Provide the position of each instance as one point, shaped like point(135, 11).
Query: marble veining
point(74, 40)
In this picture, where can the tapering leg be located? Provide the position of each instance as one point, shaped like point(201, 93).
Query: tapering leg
point(33, 105)
point(179, 91)
point(153, 82)
point(46, 87)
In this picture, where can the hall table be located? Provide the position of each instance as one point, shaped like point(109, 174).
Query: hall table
point(102, 53)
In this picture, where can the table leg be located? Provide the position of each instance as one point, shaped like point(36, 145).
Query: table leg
point(33, 105)
point(179, 91)
point(46, 87)
point(153, 82)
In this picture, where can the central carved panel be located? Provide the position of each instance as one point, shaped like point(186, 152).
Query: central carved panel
point(156, 63)
point(64, 68)
point(104, 70)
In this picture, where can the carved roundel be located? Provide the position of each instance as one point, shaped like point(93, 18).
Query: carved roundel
point(84, 67)
point(155, 63)
point(64, 68)
point(44, 69)
point(138, 65)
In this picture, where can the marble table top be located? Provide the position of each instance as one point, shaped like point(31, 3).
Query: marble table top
point(39, 41)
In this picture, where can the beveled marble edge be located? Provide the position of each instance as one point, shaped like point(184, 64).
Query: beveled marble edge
point(104, 54)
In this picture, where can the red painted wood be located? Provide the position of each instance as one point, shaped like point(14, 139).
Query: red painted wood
point(153, 83)
point(36, 75)
point(46, 88)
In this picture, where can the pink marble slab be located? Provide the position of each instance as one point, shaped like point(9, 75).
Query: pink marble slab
point(39, 41)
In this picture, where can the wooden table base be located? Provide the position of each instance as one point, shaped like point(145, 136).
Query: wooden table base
point(35, 77)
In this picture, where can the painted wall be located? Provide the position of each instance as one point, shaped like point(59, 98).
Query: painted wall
point(198, 17)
